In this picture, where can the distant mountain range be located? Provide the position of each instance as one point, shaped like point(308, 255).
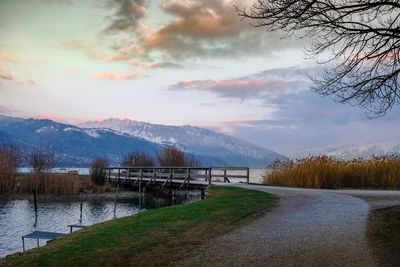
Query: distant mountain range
point(211, 147)
point(348, 151)
point(113, 138)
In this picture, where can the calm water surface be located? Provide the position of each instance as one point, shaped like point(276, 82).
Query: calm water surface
point(17, 216)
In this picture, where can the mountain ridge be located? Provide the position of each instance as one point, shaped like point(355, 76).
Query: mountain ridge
point(80, 144)
point(192, 139)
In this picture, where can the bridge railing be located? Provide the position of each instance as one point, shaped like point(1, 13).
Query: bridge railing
point(185, 175)
point(165, 175)
point(228, 173)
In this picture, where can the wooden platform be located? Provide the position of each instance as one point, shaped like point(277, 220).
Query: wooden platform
point(71, 226)
point(40, 235)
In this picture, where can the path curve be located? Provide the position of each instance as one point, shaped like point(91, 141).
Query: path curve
point(308, 228)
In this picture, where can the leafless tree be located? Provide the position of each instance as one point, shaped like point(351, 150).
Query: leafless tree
point(97, 174)
point(43, 159)
point(360, 37)
point(137, 158)
point(172, 156)
point(10, 158)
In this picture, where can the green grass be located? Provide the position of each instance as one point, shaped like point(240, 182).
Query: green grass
point(153, 238)
point(383, 235)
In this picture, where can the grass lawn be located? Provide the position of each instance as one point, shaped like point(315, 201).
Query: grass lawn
point(383, 235)
point(153, 238)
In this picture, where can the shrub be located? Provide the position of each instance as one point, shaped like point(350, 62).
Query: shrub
point(137, 159)
point(97, 175)
point(171, 156)
point(43, 159)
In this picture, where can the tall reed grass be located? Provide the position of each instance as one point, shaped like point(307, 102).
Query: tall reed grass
point(57, 183)
point(328, 172)
point(9, 161)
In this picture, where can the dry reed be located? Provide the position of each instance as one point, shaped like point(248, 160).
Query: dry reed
point(328, 172)
point(57, 183)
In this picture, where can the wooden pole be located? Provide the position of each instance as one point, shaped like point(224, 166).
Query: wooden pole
point(140, 195)
point(116, 198)
point(81, 207)
point(34, 201)
point(203, 195)
point(224, 176)
point(35, 207)
point(209, 176)
point(248, 175)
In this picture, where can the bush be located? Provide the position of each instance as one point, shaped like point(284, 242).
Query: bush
point(137, 159)
point(43, 159)
point(328, 172)
point(97, 175)
point(171, 156)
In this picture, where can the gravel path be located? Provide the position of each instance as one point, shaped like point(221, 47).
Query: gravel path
point(308, 228)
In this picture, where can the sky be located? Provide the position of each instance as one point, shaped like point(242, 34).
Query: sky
point(172, 62)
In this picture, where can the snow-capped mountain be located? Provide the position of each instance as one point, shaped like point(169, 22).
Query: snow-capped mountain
point(114, 138)
point(195, 140)
point(348, 151)
point(77, 146)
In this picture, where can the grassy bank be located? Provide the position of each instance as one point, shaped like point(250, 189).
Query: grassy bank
point(383, 234)
point(153, 238)
point(327, 172)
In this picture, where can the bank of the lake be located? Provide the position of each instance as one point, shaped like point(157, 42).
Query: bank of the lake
point(155, 237)
point(56, 212)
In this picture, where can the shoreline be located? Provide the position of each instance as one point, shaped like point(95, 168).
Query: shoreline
point(170, 231)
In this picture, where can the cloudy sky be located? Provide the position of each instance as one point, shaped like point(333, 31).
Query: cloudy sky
point(172, 62)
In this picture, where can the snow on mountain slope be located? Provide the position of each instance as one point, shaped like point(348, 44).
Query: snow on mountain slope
point(195, 140)
point(348, 151)
point(77, 146)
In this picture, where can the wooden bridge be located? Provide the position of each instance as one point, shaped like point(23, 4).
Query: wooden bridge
point(174, 177)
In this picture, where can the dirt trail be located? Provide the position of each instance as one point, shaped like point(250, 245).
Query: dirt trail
point(308, 228)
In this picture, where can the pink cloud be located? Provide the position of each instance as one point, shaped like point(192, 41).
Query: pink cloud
point(117, 75)
point(7, 56)
point(195, 20)
point(59, 118)
point(94, 54)
point(51, 117)
point(5, 74)
point(31, 82)
point(196, 28)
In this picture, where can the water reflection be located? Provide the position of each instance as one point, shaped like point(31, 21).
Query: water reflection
point(17, 215)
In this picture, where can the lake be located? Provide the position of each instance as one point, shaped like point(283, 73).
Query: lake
point(17, 216)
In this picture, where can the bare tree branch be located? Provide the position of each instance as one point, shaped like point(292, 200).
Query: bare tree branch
point(360, 37)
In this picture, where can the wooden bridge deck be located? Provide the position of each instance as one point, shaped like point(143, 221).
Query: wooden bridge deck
point(177, 177)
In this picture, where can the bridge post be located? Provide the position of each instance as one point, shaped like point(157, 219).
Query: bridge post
point(225, 176)
point(248, 175)
point(188, 178)
point(119, 175)
point(115, 200)
point(209, 176)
